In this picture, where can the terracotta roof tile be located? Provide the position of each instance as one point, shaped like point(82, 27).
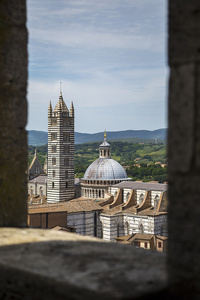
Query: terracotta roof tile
point(72, 206)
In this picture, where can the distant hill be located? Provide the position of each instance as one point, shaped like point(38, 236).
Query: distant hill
point(159, 134)
point(37, 138)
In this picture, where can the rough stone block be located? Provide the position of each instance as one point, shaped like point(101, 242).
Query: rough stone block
point(184, 246)
point(75, 267)
point(181, 118)
point(13, 113)
point(184, 30)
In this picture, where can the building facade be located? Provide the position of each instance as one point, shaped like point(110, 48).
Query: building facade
point(60, 182)
point(138, 207)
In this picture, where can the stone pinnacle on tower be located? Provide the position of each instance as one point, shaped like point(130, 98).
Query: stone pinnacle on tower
point(72, 109)
point(50, 110)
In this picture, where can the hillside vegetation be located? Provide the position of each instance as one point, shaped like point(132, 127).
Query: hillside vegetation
point(38, 138)
point(129, 155)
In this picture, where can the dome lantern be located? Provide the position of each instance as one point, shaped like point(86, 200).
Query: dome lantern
point(105, 149)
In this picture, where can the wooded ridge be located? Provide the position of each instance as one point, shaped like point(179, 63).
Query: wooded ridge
point(37, 138)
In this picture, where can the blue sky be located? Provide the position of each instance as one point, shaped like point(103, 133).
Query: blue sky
point(110, 56)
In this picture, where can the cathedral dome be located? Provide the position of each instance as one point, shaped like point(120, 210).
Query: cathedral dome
point(105, 169)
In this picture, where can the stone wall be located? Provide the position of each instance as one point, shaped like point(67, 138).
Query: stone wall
point(184, 146)
point(13, 113)
point(85, 223)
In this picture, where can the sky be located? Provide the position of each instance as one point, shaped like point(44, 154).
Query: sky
point(110, 56)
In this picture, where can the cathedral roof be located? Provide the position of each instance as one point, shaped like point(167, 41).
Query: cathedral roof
point(148, 186)
point(35, 167)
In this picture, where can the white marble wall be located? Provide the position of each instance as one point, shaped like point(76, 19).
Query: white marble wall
point(114, 226)
point(153, 195)
point(160, 225)
point(84, 223)
point(36, 188)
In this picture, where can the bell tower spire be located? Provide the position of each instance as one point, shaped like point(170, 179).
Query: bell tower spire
point(60, 88)
point(60, 183)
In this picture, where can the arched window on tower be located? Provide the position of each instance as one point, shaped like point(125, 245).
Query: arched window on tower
point(54, 149)
point(66, 161)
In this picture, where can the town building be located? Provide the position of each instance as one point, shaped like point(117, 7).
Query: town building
point(145, 241)
point(138, 207)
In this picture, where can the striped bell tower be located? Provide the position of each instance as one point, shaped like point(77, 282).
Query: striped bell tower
point(60, 182)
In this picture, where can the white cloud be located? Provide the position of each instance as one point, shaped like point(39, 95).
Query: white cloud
point(107, 53)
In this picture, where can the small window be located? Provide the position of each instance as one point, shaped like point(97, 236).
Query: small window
point(66, 149)
point(54, 173)
point(66, 161)
point(41, 191)
point(54, 136)
point(65, 122)
point(52, 185)
point(54, 122)
point(141, 199)
point(141, 228)
point(127, 196)
point(66, 185)
point(156, 201)
point(66, 174)
point(53, 149)
point(145, 245)
point(159, 244)
point(137, 244)
point(53, 161)
point(66, 137)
